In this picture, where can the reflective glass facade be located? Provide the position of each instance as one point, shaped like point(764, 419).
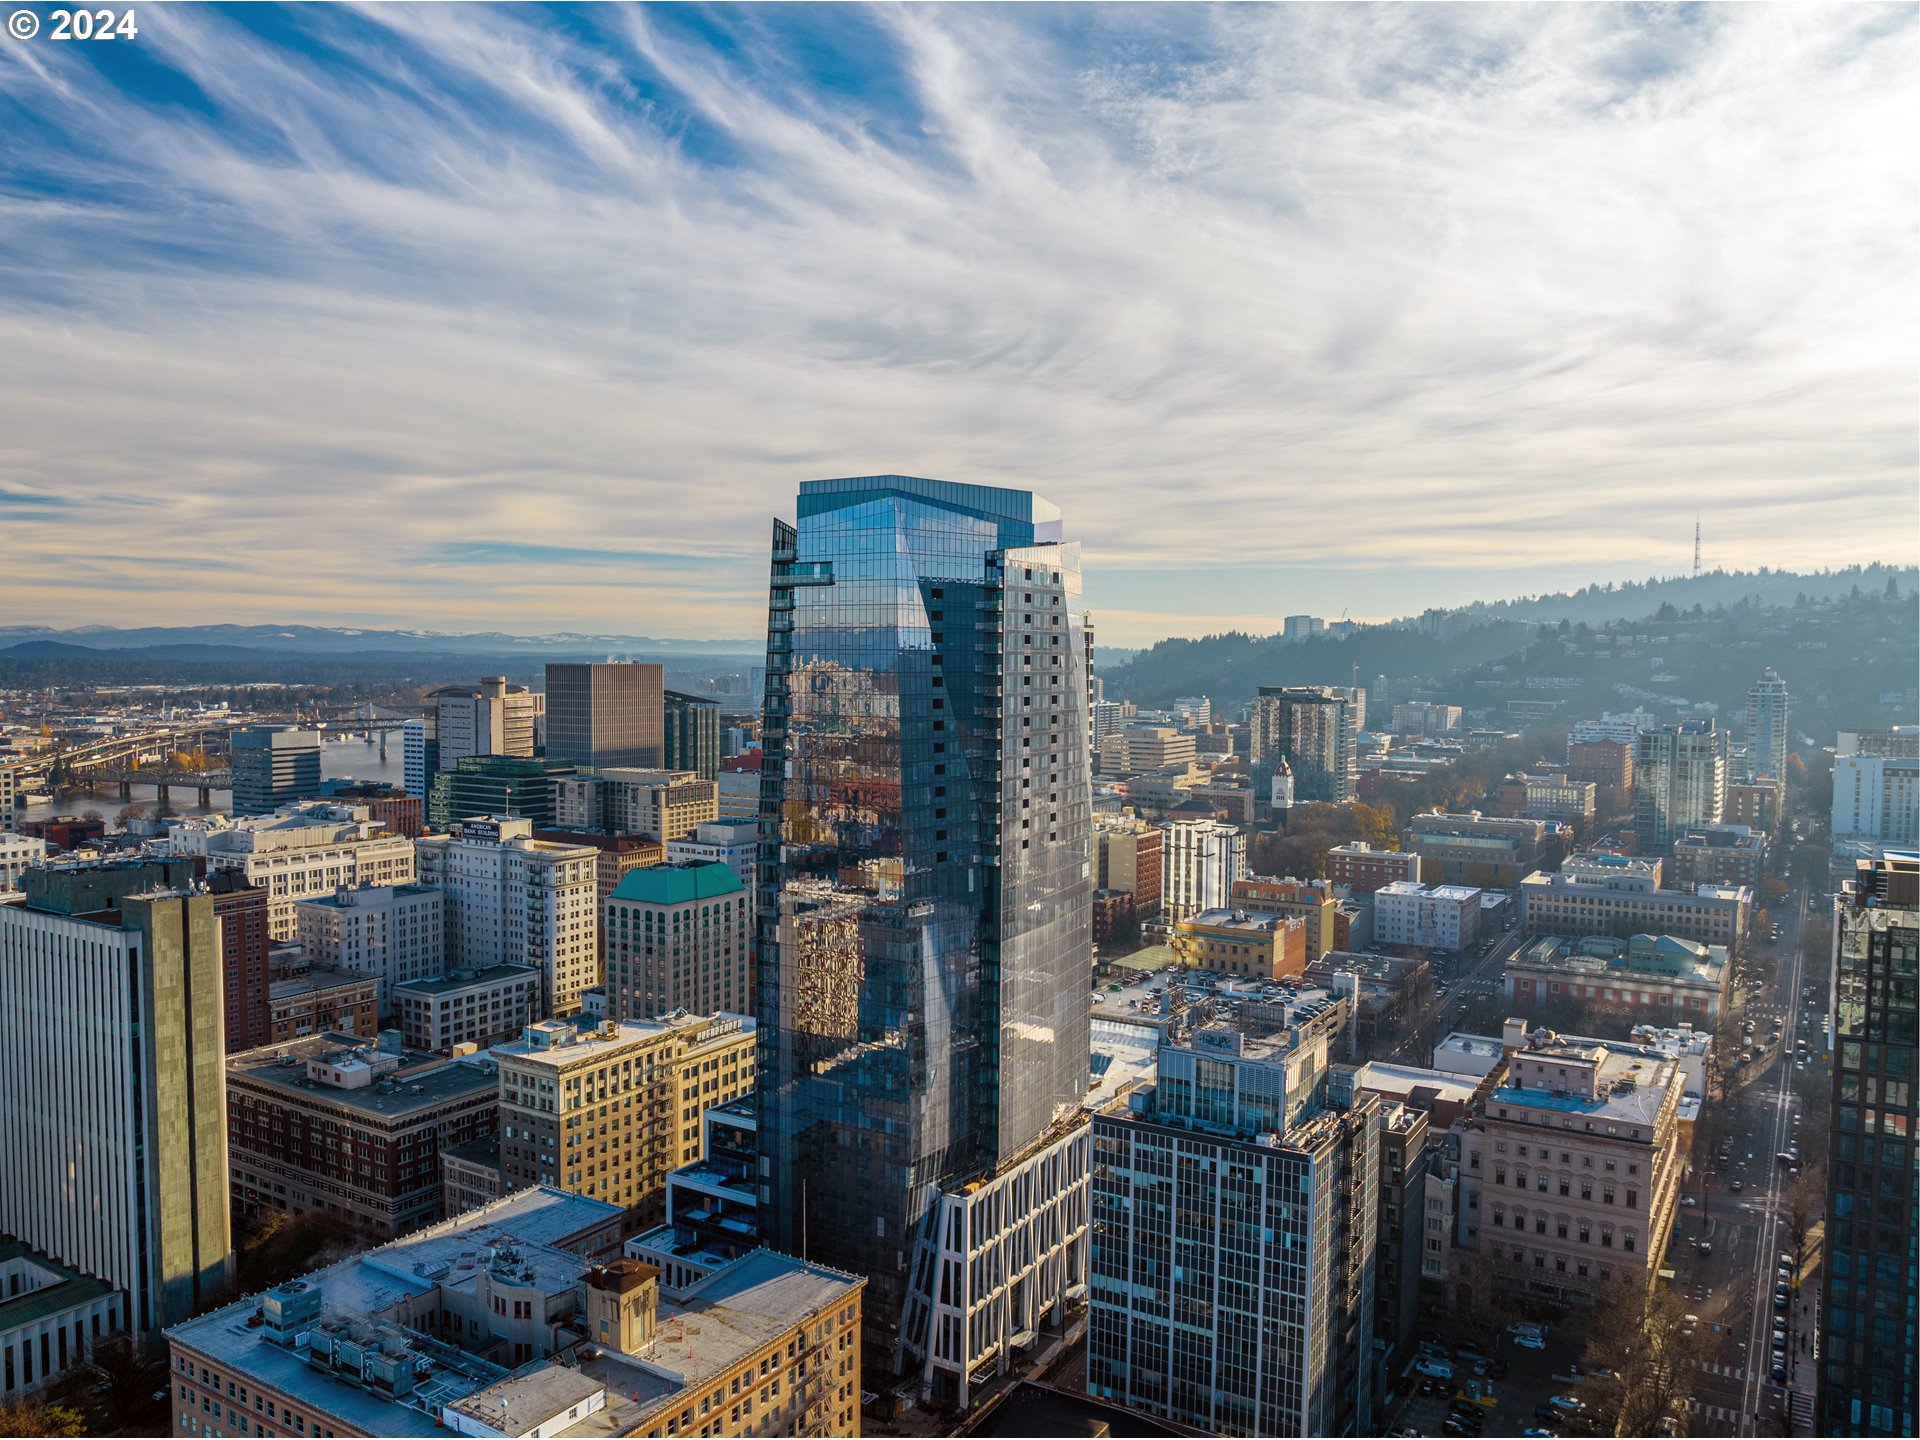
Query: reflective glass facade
point(925, 899)
point(1870, 1363)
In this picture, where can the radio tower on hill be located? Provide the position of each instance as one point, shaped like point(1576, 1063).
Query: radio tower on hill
point(1696, 544)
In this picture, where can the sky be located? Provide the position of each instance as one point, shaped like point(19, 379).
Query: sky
point(531, 318)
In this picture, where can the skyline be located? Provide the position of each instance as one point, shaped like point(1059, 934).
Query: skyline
point(557, 307)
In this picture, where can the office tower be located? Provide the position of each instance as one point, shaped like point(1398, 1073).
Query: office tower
point(302, 851)
point(491, 718)
point(1869, 1367)
point(1199, 861)
point(1606, 764)
point(513, 900)
point(1679, 782)
point(9, 797)
point(242, 913)
point(925, 912)
point(1129, 855)
point(1767, 727)
point(601, 715)
point(677, 939)
point(1314, 728)
point(1876, 800)
point(607, 1110)
point(420, 754)
point(393, 934)
point(113, 1105)
point(661, 804)
point(274, 765)
point(402, 814)
point(693, 734)
point(400, 1107)
point(1235, 1207)
point(497, 785)
point(732, 843)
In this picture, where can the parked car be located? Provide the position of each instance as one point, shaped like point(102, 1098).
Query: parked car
point(1547, 1413)
point(1572, 1404)
point(1706, 1247)
point(1438, 1369)
point(1530, 1342)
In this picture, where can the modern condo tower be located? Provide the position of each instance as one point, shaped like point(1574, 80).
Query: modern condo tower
point(925, 909)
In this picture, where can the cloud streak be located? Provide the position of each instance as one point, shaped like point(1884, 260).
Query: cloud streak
point(466, 315)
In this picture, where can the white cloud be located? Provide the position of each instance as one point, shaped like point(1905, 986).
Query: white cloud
point(1427, 291)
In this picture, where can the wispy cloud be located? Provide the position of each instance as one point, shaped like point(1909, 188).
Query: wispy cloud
point(531, 318)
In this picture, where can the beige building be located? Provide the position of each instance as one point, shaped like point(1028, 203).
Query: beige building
point(491, 718)
point(607, 1111)
point(1310, 901)
point(1248, 947)
point(297, 853)
point(1127, 857)
point(515, 900)
point(1591, 897)
point(467, 1007)
point(678, 937)
point(1138, 749)
point(502, 1322)
point(1571, 1163)
point(662, 805)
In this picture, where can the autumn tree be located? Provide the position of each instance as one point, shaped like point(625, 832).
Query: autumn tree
point(33, 1415)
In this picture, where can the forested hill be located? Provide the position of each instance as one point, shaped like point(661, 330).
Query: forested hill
point(1230, 668)
point(1636, 599)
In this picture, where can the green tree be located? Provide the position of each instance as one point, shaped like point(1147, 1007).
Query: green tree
point(31, 1415)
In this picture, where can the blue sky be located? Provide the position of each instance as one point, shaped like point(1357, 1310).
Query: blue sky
point(530, 318)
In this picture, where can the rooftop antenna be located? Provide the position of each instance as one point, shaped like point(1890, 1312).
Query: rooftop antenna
point(1696, 544)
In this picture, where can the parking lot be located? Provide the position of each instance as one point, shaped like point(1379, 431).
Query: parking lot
point(1519, 1380)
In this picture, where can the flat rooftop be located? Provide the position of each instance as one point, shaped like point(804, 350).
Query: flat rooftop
point(420, 1082)
point(1633, 1080)
point(468, 980)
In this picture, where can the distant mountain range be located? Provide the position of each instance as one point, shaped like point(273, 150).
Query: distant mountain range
point(242, 642)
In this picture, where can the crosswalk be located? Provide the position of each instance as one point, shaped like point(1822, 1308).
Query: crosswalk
point(1730, 1372)
point(1712, 1412)
point(1802, 1410)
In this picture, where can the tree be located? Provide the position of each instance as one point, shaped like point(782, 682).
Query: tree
point(129, 814)
point(1806, 1202)
point(1645, 1341)
point(32, 1415)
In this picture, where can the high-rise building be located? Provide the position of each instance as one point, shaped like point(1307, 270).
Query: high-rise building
point(1236, 1209)
point(1199, 861)
point(1869, 1365)
point(605, 714)
point(1362, 870)
point(113, 1104)
point(1767, 731)
point(1679, 782)
point(693, 734)
point(393, 934)
point(1315, 729)
point(677, 938)
point(9, 796)
point(491, 718)
point(1310, 901)
point(732, 843)
point(513, 900)
point(925, 1025)
point(274, 765)
point(241, 911)
point(1606, 764)
point(607, 1110)
point(299, 852)
point(1876, 798)
point(661, 804)
point(1128, 853)
point(420, 754)
point(497, 785)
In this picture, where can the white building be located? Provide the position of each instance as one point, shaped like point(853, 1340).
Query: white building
point(394, 933)
point(1199, 862)
point(732, 843)
point(739, 795)
point(17, 853)
point(491, 718)
point(298, 852)
point(1877, 798)
point(514, 900)
point(1438, 917)
point(420, 754)
point(1622, 729)
point(59, 1305)
point(113, 1109)
point(1767, 727)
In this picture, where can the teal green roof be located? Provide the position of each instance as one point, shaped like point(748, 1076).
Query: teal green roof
point(677, 884)
point(75, 1289)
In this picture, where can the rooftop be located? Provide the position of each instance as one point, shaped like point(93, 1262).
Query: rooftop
point(1631, 1081)
point(416, 1082)
point(677, 884)
point(315, 977)
point(467, 980)
point(61, 1289)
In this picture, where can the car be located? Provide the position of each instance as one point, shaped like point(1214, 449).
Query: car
point(1780, 1374)
point(1547, 1413)
point(1471, 1347)
point(1572, 1404)
point(1530, 1342)
point(1438, 1369)
point(1526, 1327)
point(1785, 1258)
point(1689, 1323)
point(1779, 1301)
point(1480, 1367)
point(1429, 1386)
point(1706, 1247)
point(1734, 1184)
point(1783, 1158)
point(1689, 1201)
point(1456, 1426)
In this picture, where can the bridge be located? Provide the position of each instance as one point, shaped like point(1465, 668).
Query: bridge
point(164, 778)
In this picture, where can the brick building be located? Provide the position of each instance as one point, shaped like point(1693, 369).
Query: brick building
point(241, 912)
point(1363, 870)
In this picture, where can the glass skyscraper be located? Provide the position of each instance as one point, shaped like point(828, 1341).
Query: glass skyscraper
point(1870, 1364)
point(925, 900)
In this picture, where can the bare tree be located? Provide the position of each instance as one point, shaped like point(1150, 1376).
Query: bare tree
point(1806, 1203)
point(1653, 1353)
